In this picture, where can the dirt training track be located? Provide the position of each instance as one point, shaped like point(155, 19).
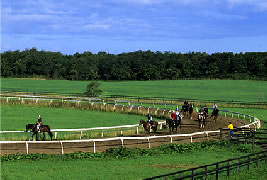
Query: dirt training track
point(188, 126)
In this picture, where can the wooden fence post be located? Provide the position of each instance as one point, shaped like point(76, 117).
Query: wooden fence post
point(238, 166)
point(94, 147)
point(193, 174)
point(206, 172)
point(257, 160)
point(228, 168)
point(248, 161)
point(217, 171)
point(27, 147)
point(61, 144)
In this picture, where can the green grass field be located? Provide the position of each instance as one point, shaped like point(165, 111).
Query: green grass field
point(15, 117)
point(226, 90)
point(115, 168)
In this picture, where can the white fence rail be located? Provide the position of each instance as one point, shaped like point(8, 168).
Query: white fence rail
point(256, 123)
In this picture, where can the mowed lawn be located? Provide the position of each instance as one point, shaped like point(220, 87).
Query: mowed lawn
point(111, 168)
point(226, 90)
point(15, 117)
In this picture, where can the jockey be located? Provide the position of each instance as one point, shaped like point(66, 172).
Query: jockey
point(200, 112)
point(206, 111)
point(149, 119)
point(177, 114)
point(215, 106)
point(185, 102)
point(173, 115)
point(39, 122)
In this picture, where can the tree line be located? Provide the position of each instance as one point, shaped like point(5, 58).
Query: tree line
point(138, 65)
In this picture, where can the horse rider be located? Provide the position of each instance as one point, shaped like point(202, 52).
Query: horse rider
point(200, 112)
point(177, 114)
point(185, 102)
point(215, 111)
point(215, 106)
point(173, 116)
point(206, 111)
point(39, 123)
point(149, 119)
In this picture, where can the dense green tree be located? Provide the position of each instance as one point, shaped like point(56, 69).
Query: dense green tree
point(138, 65)
point(92, 89)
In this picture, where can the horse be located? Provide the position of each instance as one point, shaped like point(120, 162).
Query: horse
point(173, 124)
point(43, 129)
point(214, 114)
point(147, 126)
point(201, 120)
point(190, 110)
point(185, 109)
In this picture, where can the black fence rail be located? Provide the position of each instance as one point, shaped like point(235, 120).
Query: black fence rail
point(222, 168)
point(245, 135)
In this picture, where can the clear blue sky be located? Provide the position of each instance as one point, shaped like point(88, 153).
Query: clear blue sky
point(117, 26)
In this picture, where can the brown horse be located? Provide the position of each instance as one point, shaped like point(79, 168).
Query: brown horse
point(147, 127)
point(43, 129)
point(190, 110)
point(215, 114)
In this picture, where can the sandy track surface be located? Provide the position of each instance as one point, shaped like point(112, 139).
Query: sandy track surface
point(188, 126)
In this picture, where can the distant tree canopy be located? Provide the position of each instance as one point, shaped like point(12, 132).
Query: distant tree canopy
point(138, 65)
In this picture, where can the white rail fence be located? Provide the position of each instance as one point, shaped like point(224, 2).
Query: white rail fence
point(256, 124)
point(90, 129)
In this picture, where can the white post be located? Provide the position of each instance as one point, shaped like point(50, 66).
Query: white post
point(232, 115)
point(102, 133)
point(238, 115)
point(171, 139)
point(191, 139)
point(121, 132)
point(94, 147)
point(160, 127)
point(137, 128)
point(27, 148)
point(81, 135)
point(55, 135)
point(7, 99)
point(61, 144)
point(121, 141)
point(148, 143)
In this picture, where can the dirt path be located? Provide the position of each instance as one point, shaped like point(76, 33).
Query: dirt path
point(188, 126)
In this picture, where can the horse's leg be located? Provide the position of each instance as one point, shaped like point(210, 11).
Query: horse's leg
point(50, 134)
point(36, 133)
point(43, 135)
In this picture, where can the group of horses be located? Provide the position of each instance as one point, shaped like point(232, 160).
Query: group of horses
point(187, 110)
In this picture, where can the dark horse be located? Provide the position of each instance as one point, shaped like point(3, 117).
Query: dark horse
point(190, 110)
point(215, 114)
point(173, 124)
point(33, 128)
point(185, 109)
point(147, 127)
